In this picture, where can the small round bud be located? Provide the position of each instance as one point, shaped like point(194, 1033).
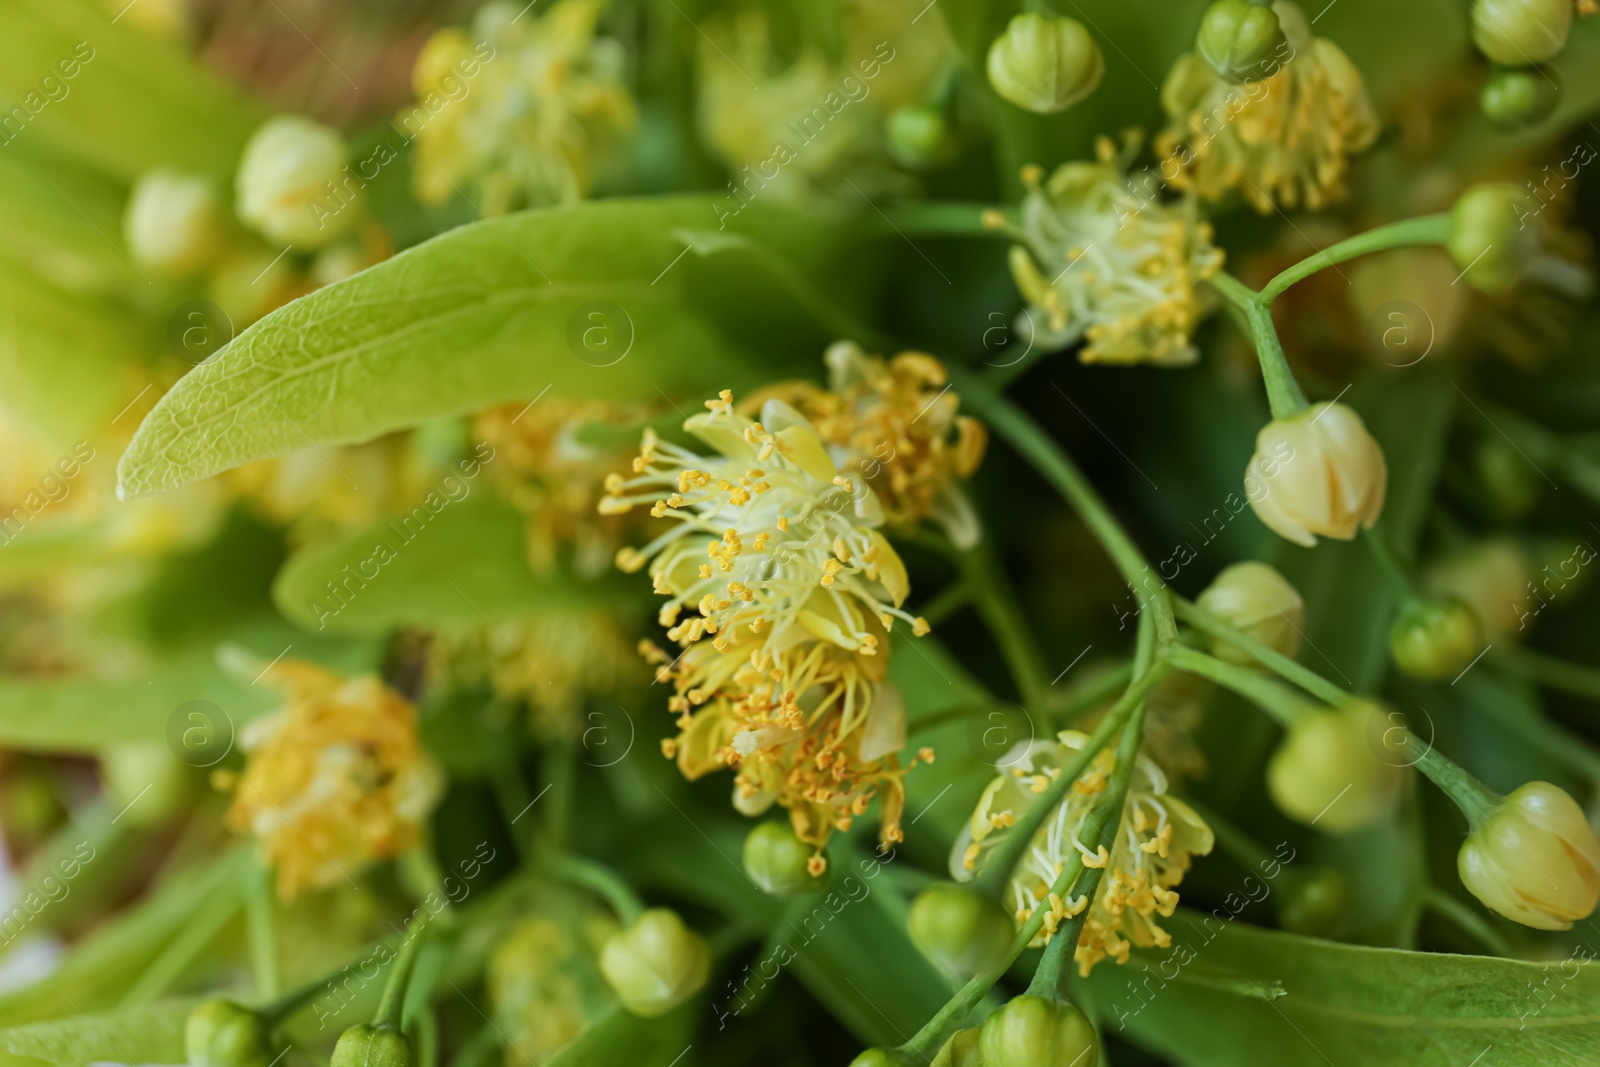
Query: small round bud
point(919, 136)
point(1490, 239)
point(221, 1033)
point(961, 1050)
point(1434, 639)
point(962, 931)
point(1314, 904)
point(1035, 1032)
point(1492, 579)
point(145, 780)
point(1319, 471)
point(368, 1045)
point(655, 964)
point(1516, 32)
point(291, 185)
point(1517, 97)
point(1255, 598)
point(172, 224)
point(1510, 482)
point(1045, 63)
point(1326, 772)
point(777, 860)
point(1238, 37)
point(881, 1057)
point(1534, 860)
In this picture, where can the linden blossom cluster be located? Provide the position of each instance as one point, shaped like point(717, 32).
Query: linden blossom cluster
point(51, 88)
point(412, 524)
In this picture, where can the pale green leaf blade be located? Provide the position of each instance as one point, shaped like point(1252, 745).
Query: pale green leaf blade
point(151, 1033)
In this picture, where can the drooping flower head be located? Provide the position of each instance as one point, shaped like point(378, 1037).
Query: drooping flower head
point(1157, 836)
point(1285, 140)
point(335, 780)
point(1102, 262)
point(526, 107)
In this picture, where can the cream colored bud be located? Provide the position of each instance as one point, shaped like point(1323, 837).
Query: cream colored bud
point(1327, 771)
point(1521, 32)
point(1045, 63)
point(1492, 579)
point(655, 964)
point(173, 223)
point(1255, 598)
point(293, 185)
point(1317, 472)
point(1534, 860)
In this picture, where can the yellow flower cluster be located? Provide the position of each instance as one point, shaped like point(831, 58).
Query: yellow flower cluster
point(1157, 836)
point(527, 107)
point(1285, 140)
point(781, 594)
point(895, 420)
point(1101, 262)
point(335, 780)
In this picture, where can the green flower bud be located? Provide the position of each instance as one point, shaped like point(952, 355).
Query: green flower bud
point(1534, 860)
point(655, 964)
point(777, 860)
point(1510, 482)
point(145, 780)
point(962, 931)
point(292, 185)
point(173, 223)
point(1491, 578)
point(1519, 32)
point(1326, 772)
point(1045, 63)
point(1255, 598)
point(1434, 639)
point(221, 1033)
point(919, 136)
point(881, 1057)
point(368, 1045)
point(961, 1050)
point(1489, 239)
point(1315, 904)
point(1238, 37)
point(1513, 98)
point(1034, 1032)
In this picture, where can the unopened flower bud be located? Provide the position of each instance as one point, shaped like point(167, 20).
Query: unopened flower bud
point(292, 185)
point(1314, 904)
point(881, 1057)
point(1033, 1031)
point(655, 964)
point(368, 1045)
point(1492, 580)
point(1255, 598)
point(1238, 37)
point(1517, 97)
point(1434, 639)
point(1510, 483)
point(1045, 63)
point(919, 136)
point(1327, 772)
point(1490, 239)
point(777, 860)
point(173, 223)
point(962, 1050)
point(1317, 472)
point(1534, 860)
point(1516, 32)
point(962, 931)
point(221, 1033)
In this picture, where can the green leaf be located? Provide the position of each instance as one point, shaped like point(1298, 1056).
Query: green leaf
point(1209, 1001)
point(491, 312)
point(147, 1034)
point(464, 563)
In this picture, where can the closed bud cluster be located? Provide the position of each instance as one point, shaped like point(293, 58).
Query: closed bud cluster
point(1534, 860)
point(1045, 63)
point(1255, 598)
point(962, 931)
point(655, 964)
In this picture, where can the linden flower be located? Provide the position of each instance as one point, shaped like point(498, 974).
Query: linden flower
point(1284, 140)
point(1155, 841)
point(528, 107)
point(895, 422)
point(333, 781)
point(1101, 263)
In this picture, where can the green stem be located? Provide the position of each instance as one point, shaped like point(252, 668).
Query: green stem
point(1559, 745)
point(1469, 920)
point(602, 881)
point(1025, 435)
point(1094, 693)
point(996, 600)
point(1272, 697)
point(1549, 671)
point(949, 219)
point(1388, 563)
point(263, 940)
point(1475, 799)
point(1425, 230)
point(1283, 391)
point(1286, 668)
point(394, 991)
